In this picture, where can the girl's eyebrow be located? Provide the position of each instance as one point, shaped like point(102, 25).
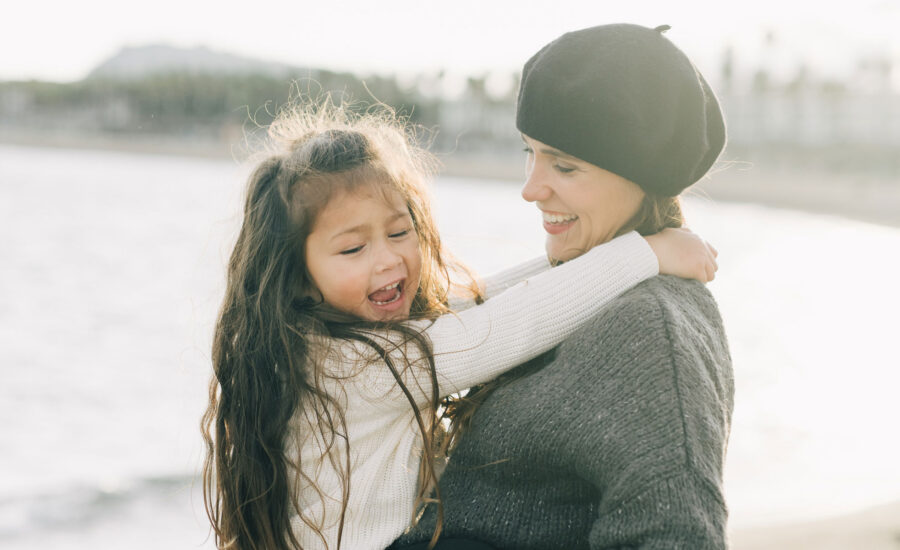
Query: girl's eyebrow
point(364, 226)
point(397, 215)
point(355, 229)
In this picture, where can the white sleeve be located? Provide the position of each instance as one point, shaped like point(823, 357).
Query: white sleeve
point(484, 341)
point(496, 283)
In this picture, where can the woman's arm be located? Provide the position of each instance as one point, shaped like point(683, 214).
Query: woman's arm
point(482, 342)
point(656, 464)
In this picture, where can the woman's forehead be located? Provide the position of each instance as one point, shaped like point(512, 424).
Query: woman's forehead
point(548, 150)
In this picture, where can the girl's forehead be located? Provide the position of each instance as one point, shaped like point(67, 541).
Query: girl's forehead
point(364, 205)
point(372, 192)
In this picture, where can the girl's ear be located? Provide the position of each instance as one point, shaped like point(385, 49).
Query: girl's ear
point(306, 290)
point(307, 297)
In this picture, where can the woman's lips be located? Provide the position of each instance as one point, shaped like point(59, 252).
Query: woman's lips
point(557, 222)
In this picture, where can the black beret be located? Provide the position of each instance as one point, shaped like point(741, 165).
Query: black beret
point(626, 99)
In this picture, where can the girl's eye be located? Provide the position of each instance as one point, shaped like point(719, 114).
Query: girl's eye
point(563, 169)
point(350, 251)
point(527, 150)
point(399, 234)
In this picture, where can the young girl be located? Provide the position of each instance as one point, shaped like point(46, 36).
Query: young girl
point(335, 342)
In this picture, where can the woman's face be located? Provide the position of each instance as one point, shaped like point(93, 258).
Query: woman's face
point(582, 205)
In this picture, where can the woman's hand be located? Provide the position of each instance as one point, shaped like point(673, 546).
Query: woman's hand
point(683, 253)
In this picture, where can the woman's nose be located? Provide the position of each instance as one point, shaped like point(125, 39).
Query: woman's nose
point(534, 189)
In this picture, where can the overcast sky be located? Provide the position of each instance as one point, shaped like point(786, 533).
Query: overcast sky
point(65, 40)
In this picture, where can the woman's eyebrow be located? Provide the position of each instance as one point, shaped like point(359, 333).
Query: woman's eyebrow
point(551, 151)
point(557, 153)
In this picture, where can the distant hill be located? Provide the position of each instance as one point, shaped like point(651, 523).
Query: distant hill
point(136, 62)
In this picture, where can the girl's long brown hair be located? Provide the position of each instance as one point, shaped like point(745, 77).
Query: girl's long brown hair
point(262, 355)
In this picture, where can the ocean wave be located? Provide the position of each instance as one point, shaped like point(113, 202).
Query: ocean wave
point(77, 507)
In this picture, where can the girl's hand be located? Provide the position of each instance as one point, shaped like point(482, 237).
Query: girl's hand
point(684, 254)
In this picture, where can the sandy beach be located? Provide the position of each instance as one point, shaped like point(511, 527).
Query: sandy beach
point(873, 529)
point(872, 197)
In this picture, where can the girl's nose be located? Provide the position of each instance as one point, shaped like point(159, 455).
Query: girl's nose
point(388, 259)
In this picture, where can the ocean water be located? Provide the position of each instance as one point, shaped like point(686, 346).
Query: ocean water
point(112, 267)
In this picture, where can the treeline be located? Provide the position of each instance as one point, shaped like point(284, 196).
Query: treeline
point(201, 105)
point(805, 118)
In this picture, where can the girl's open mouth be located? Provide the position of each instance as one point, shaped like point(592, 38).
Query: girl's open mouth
point(388, 294)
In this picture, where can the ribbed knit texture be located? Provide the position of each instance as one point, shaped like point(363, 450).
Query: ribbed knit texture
point(616, 442)
point(503, 280)
point(470, 348)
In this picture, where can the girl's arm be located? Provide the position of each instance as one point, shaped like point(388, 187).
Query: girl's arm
point(494, 284)
point(679, 251)
point(482, 342)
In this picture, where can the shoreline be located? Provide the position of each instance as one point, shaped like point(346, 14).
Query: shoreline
point(813, 187)
point(866, 196)
point(876, 528)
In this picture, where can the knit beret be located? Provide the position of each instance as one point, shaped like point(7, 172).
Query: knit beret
point(626, 99)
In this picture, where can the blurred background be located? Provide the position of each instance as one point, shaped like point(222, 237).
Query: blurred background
point(124, 134)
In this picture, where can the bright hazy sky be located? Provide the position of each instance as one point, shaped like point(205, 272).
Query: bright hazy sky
point(66, 39)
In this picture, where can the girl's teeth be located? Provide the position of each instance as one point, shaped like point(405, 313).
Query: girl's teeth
point(385, 289)
point(394, 299)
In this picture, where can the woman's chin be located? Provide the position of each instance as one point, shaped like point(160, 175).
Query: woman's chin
point(561, 252)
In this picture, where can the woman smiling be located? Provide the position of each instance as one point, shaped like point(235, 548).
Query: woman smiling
point(617, 438)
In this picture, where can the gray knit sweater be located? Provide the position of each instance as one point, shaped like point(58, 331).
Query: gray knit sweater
point(616, 442)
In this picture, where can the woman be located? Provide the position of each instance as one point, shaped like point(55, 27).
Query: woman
point(617, 438)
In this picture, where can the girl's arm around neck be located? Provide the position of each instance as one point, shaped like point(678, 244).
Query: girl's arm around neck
point(494, 284)
point(482, 342)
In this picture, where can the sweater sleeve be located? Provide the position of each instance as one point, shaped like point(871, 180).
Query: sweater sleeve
point(497, 283)
point(478, 344)
point(664, 423)
point(680, 511)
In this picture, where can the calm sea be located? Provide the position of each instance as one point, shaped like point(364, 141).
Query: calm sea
point(111, 270)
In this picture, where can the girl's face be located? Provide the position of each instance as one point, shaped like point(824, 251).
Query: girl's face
point(583, 205)
point(363, 255)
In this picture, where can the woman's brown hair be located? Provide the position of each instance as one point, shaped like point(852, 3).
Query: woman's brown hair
point(654, 214)
point(262, 354)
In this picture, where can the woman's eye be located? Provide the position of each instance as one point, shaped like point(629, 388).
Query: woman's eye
point(563, 169)
point(350, 251)
point(527, 150)
point(399, 234)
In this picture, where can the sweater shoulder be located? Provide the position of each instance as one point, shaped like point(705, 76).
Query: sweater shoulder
point(661, 348)
point(664, 310)
point(663, 338)
point(666, 294)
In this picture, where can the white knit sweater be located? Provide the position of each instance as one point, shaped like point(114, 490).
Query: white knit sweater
point(516, 323)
